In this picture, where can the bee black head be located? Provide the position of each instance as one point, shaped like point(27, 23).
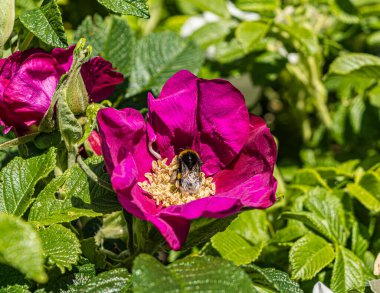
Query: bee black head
point(190, 158)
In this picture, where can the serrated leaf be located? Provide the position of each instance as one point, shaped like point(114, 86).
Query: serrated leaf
point(46, 23)
point(347, 272)
point(20, 247)
point(130, 7)
point(64, 199)
point(233, 247)
point(18, 179)
point(357, 64)
point(15, 289)
point(192, 274)
point(309, 255)
point(117, 280)
point(312, 221)
point(252, 225)
point(93, 30)
point(330, 211)
point(250, 33)
point(61, 246)
point(158, 57)
point(119, 45)
point(366, 198)
point(78, 276)
point(111, 38)
point(273, 278)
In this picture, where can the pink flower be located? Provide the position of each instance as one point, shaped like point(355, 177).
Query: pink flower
point(28, 80)
point(207, 116)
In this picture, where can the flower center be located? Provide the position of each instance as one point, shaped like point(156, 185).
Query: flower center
point(168, 192)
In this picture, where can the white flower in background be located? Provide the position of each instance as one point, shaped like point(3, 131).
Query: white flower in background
point(376, 265)
point(196, 22)
point(321, 288)
point(293, 58)
point(240, 14)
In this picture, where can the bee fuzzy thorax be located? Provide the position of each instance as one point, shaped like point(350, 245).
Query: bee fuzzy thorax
point(179, 182)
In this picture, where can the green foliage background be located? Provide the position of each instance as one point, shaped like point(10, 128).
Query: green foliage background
point(311, 68)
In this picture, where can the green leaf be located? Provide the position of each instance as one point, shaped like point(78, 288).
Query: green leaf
point(117, 280)
point(111, 38)
point(158, 57)
point(310, 177)
point(249, 34)
point(93, 30)
point(312, 221)
point(218, 7)
point(366, 198)
point(15, 289)
point(309, 255)
point(273, 278)
point(233, 247)
point(252, 225)
point(212, 33)
point(130, 7)
point(61, 246)
point(64, 199)
point(68, 124)
point(258, 5)
point(10, 276)
point(102, 199)
point(330, 211)
point(356, 64)
point(119, 45)
point(18, 179)
point(347, 272)
point(202, 229)
point(46, 23)
point(20, 247)
point(191, 274)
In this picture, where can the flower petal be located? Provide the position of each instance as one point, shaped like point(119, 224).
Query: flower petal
point(100, 78)
point(173, 115)
point(250, 176)
point(64, 56)
point(30, 90)
point(123, 134)
point(247, 182)
point(223, 123)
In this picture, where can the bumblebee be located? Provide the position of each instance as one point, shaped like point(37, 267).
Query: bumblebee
point(188, 176)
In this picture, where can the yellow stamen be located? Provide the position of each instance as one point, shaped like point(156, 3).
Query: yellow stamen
point(166, 192)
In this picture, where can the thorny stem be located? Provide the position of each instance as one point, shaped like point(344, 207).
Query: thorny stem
point(86, 169)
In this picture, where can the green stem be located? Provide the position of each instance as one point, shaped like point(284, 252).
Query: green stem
point(86, 169)
point(320, 92)
point(26, 42)
point(71, 157)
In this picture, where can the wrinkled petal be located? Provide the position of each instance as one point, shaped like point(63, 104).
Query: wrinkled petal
point(35, 81)
point(100, 78)
point(123, 134)
point(252, 171)
point(64, 56)
point(223, 123)
point(173, 115)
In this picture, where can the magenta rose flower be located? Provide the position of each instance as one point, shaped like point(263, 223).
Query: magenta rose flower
point(207, 118)
point(28, 80)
